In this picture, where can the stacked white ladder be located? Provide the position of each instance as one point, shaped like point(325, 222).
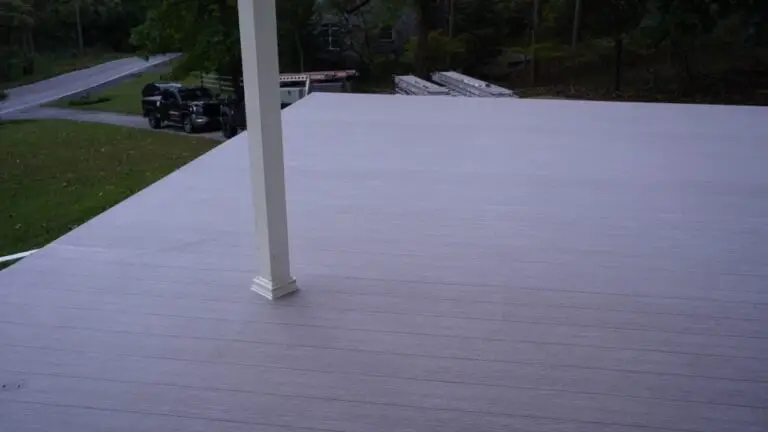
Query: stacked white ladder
point(411, 85)
point(462, 85)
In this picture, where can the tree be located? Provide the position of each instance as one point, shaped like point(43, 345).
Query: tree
point(474, 30)
point(207, 33)
point(60, 25)
point(486, 27)
point(79, 24)
point(576, 17)
point(296, 29)
point(534, 29)
point(355, 25)
point(626, 15)
point(615, 20)
point(439, 51)
point(82, 14)
point(17, 21)
point(17, 18)
point(682, 26)
point(424, 10)
point(430, 15)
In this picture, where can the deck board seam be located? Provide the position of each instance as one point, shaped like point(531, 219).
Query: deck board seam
point(393, 352)
point(150, 413)
point(379, 312)
point(299, 268)
point(476, 338)
point(415, 407)
point(237, 299)
point(383, 376)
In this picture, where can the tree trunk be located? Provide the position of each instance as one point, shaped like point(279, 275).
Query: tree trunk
point(369, 54)
point(31, 37)
point(534, 27)
point(618, 44)
point(29, 51)
point(236, 77)
point(422, 39)
point(451, 7)
point(685, 59)
point(80, 47)
point(576, 19)
point(299, 50)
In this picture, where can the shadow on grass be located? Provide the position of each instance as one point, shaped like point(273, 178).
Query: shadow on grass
point(88, 101)
point(6, 123)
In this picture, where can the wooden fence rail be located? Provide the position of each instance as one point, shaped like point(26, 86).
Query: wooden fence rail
point(223, 83)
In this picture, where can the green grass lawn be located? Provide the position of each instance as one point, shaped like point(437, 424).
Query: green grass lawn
point(50, 65)
point(57, 174)
point(124, 97)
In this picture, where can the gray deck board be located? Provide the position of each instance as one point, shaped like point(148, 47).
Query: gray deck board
point(464, 264)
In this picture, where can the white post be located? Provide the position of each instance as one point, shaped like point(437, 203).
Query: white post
point(258, 42)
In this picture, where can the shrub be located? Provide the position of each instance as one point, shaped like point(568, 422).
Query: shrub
point(86, 100)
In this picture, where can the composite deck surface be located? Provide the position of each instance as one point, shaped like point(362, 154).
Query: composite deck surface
point(465, 265)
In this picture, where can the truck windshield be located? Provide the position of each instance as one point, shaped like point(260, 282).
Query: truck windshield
point(195, 94)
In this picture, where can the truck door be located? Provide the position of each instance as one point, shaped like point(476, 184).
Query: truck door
point(170, 106)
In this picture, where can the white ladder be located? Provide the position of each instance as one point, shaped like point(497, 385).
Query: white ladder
point(464, 85)
point(411, 85)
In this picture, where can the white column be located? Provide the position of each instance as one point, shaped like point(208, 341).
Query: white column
point(258, 42)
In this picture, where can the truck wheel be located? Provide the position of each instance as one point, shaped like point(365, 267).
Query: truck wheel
point(227, 128)
point(189, 127)
point(154, 121)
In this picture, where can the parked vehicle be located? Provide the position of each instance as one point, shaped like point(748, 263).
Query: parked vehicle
point(232, 116)
point(193, 108)
point(293, 87)
point(232, 109)
point(154, 89)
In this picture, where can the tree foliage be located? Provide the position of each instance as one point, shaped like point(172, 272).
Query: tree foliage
point(29, 28)
point(680, 38)
point(440, 51)
point(486, 27)
point(207, 32)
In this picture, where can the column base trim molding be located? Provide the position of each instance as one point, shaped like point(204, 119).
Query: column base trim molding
point(268, 289)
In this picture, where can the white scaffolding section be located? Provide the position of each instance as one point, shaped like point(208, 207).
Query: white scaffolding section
point(411, 85)
point(294, 86)
point(463, 85)
point(319, 76)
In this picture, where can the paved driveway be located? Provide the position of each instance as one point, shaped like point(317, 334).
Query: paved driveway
point(96, 117)
point(76, 82)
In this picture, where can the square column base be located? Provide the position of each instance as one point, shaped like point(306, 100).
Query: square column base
point(271, 291)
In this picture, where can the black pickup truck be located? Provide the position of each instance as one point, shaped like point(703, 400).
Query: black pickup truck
point(292, 88)
point(193, 108)
point(233, 115)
